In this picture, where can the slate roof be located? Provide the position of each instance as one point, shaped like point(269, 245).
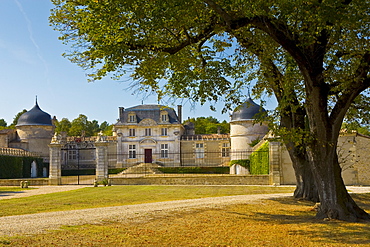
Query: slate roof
point(150, 111)
point(247, 111)
point(35, 116)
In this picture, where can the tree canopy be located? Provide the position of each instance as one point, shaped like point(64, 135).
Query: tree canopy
point(82, 126)
point(312, 55)
point(209, 125)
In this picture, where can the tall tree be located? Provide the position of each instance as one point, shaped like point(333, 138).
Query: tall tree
point(312, 55)
point(15, 119)
point(80, 126)
point(209, 125)
point(3, 123)
point(63, 126)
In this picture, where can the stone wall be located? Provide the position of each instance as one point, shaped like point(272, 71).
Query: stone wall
point(194, 180)
point(17, 182)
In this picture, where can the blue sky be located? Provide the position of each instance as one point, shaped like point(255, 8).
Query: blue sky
point(32, 64)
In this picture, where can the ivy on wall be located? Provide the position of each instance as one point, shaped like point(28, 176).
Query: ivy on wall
point(259, 160)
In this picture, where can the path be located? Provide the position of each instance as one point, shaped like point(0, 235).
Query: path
point(31, 223)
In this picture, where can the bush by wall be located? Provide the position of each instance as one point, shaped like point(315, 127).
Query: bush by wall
point(244, 163)
point(195, 170)
point(19, 167)
point(259, 160)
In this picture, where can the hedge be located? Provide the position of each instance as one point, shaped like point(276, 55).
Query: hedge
point(195, 170)
point(259, 160)
point(19, 167)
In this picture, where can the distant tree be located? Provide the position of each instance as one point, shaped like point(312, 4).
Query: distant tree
point(209, 125)
point(63, 125)
point(3, 123)
point(106, 128)
point(93, 127)
point(80, 125)
point(15, 119)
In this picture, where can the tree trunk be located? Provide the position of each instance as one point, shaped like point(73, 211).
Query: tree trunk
point(335, 202)
point(306, 188)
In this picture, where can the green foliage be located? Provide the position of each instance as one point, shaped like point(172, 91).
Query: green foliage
point(19, 167)
point(11, 167)
point(83, 125)
point(62, 126)
point(259, 160)
point(196, 170)
point(3, 123)
point(15, 119)
point(116, 170)
point(254, 143)
point(244, 163)
point(209, 125)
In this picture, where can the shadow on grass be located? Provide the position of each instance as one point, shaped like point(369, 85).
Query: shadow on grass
point(297, 217)
point(9, 193)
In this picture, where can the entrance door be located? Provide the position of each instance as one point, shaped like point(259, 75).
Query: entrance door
point(148, 156)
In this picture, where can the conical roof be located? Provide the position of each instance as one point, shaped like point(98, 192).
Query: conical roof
point(246, 111)
point(35, 116)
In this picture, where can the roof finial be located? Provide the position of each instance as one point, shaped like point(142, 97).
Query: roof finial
point(36, 100)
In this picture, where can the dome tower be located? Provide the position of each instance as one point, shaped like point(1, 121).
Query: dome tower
point(244, 130)
point(35, 130)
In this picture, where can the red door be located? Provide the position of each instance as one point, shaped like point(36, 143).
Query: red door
point(148, 156)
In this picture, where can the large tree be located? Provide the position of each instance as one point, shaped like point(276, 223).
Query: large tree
point(313, 55)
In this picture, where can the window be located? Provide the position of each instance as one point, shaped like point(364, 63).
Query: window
point(164, 150)
point(164, 132)
point(164, 116)
point(72, 154)
point(131, 132)
point(132, 117)
point(225, 149)
point(148, 132)
point(199, 150)
point(131, 151)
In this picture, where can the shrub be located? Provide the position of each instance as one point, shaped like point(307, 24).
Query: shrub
point(259, 160)
point(195, 170)
point(19, 167)
point(244, 163)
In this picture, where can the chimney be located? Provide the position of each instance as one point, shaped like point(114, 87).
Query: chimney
point(121, 110)
point(179, 113)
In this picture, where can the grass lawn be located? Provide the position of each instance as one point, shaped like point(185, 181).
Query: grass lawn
point(92, 197)
point(279, 222)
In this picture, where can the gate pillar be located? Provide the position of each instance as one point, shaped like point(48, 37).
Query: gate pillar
point(55, 170)
point(101, 159)
point(274, 158)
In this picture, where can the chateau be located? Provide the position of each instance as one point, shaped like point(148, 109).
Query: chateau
point(155, 134)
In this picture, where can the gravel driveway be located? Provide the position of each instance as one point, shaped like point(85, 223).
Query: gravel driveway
point(36, 223)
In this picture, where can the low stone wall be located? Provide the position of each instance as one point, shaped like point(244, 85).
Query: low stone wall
point(31, 181)
point(193, 180)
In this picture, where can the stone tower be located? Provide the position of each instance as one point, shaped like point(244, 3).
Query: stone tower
point(244, 130)
point(35, 130)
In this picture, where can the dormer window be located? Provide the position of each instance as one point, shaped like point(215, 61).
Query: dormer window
point(164, 116)
point(132, 117)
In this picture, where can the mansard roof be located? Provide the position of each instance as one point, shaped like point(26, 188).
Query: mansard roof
point(151, 111)
point(35, 116)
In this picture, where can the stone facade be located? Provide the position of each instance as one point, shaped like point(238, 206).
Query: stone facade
point(155, 134)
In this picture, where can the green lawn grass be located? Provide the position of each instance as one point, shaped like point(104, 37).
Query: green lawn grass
point(92, 197)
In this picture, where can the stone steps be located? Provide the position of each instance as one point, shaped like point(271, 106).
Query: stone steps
point(143, 168)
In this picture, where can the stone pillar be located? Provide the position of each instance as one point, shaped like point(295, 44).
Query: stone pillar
point(119, 151)
point(274, 159)
point(55, 170)
point(101, 153)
